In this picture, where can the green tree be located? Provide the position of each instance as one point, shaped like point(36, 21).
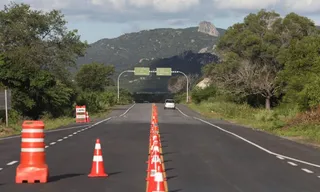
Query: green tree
point(37, 52)
point(300, 78)
point(94, 76)
point(253, 52)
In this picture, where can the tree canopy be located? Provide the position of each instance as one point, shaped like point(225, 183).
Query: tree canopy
point(254, 52)
point(94, 76)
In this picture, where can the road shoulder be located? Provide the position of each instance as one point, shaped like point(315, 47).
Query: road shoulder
point(265, 140)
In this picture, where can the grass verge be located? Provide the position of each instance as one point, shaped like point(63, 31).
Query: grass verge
point(282, 121)
point(14, 129)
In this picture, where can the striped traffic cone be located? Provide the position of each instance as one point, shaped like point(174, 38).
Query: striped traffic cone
point(97, 169)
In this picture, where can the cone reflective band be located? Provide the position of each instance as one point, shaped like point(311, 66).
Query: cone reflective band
point(97, 169)
point(32, 167)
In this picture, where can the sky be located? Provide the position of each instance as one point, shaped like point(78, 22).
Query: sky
point(97, 19)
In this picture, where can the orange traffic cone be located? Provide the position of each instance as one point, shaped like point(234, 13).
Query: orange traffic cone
point(87, 117)
point(97, 169)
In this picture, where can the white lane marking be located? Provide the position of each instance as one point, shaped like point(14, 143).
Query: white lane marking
point(52, 143)
point(60, 140)
point(49, 131)
point(307, 170)
point(1, 168)
point(258, 146)
point(75, 133)
point(291, 163)
point(318, 176)
point(74, 127)
point(70, 135)
point(46, 146)
point(127, 110)
point(12, 162)
point(65, 138)
point(280, 157)
point(182, 112)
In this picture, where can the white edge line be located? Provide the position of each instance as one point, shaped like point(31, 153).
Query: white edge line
point(127, 110)
point(74, 127)
point(306, 170)
point(258, 146)
point(12, 162)
point(182, 112)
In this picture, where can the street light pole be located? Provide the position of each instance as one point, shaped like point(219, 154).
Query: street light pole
point(118, 81)
point(187, 99)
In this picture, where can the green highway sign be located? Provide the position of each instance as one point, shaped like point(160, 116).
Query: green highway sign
point(141, 71)
point(164, 72)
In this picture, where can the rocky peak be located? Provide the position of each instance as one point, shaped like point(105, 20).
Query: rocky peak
point(208, 28)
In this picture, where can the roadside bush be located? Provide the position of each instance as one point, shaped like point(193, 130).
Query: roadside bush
point(199, 94)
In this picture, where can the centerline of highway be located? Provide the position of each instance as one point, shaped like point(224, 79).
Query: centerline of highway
point(86, 127)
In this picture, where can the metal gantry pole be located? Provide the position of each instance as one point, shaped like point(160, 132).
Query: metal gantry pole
point(118, 81)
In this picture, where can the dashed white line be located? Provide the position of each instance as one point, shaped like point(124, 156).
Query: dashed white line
point(306, 170)
point(291, 163)
point(65, 138)
point(52, 143)
point(1, 169)
point(60, 140)
point(12, 162)
point(46, 146)
point(280, 157)
point(318, 176)
point(70, 135)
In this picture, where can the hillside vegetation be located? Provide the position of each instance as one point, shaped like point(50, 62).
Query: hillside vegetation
point(268, 76)
point(181, 49)
point(37, 52)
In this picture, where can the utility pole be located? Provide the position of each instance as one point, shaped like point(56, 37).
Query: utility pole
point(6, 105)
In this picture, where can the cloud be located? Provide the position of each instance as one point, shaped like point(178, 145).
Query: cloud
point(173, 12)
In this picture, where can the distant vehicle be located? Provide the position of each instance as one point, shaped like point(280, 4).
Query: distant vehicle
point(169, 104)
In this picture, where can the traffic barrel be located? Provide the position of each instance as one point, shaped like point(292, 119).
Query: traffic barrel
point(32, 167)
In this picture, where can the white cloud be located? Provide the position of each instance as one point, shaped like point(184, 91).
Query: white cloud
point(169, 11)
point(245, 4)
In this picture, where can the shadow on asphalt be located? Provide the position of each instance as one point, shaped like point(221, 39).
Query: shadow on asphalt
point(114, 173)
point(169, 169)
point(64, 176)
point(168, 153)
point(172, 177)
point(176, 190)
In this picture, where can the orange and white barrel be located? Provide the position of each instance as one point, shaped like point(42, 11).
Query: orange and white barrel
point(32, 167)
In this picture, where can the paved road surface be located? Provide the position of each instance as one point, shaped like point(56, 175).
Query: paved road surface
point(198, 157)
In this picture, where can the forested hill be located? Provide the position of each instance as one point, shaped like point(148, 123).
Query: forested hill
point(166, 47)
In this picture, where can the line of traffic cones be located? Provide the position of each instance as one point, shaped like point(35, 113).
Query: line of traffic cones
point(156, 176)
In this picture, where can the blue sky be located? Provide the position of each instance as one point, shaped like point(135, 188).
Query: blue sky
point(96, 19)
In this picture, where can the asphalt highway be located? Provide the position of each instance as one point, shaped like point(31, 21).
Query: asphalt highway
point(204, 155)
